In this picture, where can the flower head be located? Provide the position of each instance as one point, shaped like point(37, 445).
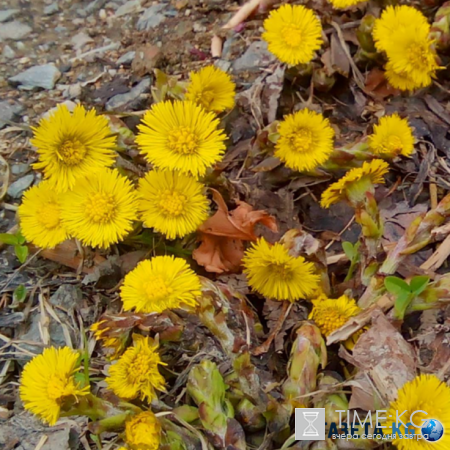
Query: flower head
point(424, 393)
point(392, 137)
point(172, 203)
point(341, 4)
point(355, 183)
point(113, 339)
point(48, 381)
point(40, 216)
point(181, 136)
point(74, 145)
point(330, 314)
point(143, 432)
point(211, 88)
point(160, 283)
point(274, 273)
point(293, 33)
point(101, 208)
point(306, 140)
point(136, 373)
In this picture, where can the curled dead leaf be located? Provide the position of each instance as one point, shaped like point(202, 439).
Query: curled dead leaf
point(222, 235)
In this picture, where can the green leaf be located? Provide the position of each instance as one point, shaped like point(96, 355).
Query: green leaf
point(418, 284)
point(401, 304)
point(396, 285)
point(349, 250)
point(19, 294)
point(20, 239)
point(10, 239)
point(21, 252)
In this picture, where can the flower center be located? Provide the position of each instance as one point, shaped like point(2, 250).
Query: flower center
point(72, 152)
point(50, 216)
point(205, 98)
point(172, 203)
point(393, 145)
point(419, 55)
point(329, 320)
point(101, 208)
point(281, 270)
point(59, 387)
point(183, 140)
point(292, 35)
point(301, 140)
point(139, 369)
point(156, 287)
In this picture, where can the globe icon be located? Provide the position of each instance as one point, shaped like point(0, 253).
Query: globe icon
point(432, 430)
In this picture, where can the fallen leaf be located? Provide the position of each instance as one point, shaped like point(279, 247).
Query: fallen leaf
point(222, 235)
point(377, 84)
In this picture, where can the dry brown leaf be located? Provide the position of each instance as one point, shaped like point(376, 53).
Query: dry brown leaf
point(222, 235)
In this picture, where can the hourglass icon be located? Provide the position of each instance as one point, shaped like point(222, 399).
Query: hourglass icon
point(310, 417)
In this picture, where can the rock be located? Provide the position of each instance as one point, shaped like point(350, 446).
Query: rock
point(44, 77)
point(53, 8)
point(14, 30)
point(125, 101)
point(126, 59)
point(92, 7)
point(129, 7)
point(16, 189)
point(68, 103)
point(11, 320)
point(6, 14)
point(255, 57)
point(151, 18)
point(8, 111)
point(80, 40)
point(147, 58)
point(20, 168)
point(8, 52)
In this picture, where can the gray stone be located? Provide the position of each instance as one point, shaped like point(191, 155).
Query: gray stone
point(80, 40)
point(124, 101)
point(130, 7)
point(44, 77)
point(151, 17)
point(53, 8)
point(16, 189)
point(126, 59)
point(14, 30)
point(91, 8)
point(20, 168)
point(8, 111)
point(8, 52)
point(6, 14)
point(255, 57)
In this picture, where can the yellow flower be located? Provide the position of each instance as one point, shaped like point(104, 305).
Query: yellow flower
point(113, 340)
point(293, 33)
point(101, 208)
point(211, 88)
point(73, 145)
point(272, 272)
point(401, 80)
point(143, 432)
point(306, 140)
point(40, 216)
point(425, 393)
point(394, 21)
point(160, 283)
point(392, 137)
point(330, 314)
point(341, 4)
point(136, 372)
point(48, 381)
point(181, 136)
point(172, 203)
point(355, 183)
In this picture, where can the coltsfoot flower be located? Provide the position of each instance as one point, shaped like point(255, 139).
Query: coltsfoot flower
point(392, 137)
point(424, 393)
point(160, 283)
point(74, 145)
point(211, 88)
point(100, 210)
point(40, 216)
point(136, 373)
point(172, 203)
point(355, 183)
point(341, 4)
point(48, 381)
point(330, 314)
point(143, 432)
point(181, 136)
point(306, 140)
point(272, 272)
point(294, 34)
